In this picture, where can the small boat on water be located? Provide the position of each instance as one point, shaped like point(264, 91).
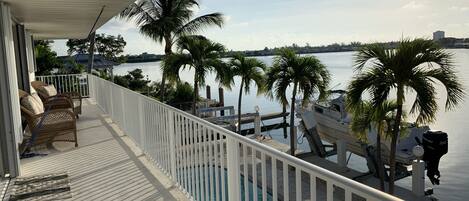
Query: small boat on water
point(331, 122)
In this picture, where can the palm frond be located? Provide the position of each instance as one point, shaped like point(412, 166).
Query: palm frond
point(201, 22)
point(308, 73)
point(172, 64)
point(415, 65)
point(358, 86)
point(203, 56)
point(153, 30)
point(141, 12)
point(249, 69)
point(454, 89)
point(375, 54)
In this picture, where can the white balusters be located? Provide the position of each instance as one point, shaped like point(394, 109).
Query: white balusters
point(68, 83)
point(191, 151)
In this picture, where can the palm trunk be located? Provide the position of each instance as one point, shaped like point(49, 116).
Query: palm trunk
point(167, 52)
point(395, 136)
point(292, 122)
point(239, 105)
point(379, 158)
point(284, 110)
point(196, 94)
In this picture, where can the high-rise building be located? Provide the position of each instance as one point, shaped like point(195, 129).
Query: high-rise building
point(438, 35)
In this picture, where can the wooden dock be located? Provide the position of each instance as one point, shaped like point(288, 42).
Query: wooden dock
point(269, 116)
point(230, 121)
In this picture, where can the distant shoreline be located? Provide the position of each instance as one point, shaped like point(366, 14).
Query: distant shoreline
point(230, 54)
point(354, 46)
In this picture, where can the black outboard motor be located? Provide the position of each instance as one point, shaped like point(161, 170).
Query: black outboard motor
point(435, 144)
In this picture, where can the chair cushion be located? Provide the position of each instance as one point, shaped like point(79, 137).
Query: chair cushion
point(48, 90)
point(76, 103)
point(32, 105)
point(38, 101)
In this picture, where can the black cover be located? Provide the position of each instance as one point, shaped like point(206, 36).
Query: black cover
point(435, 144)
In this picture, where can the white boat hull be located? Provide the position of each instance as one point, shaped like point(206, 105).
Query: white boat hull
point(331, 130)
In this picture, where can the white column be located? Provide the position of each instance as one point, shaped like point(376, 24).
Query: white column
point(234, 192)
point(172, 144)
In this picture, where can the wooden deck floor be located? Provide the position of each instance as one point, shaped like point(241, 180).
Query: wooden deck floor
point(105, 166)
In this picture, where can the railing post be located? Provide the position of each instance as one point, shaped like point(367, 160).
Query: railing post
point(90, 87)
point(418, 177)
point(172, 144)
point(233, 162)
point(141, 116)
point(111, 102)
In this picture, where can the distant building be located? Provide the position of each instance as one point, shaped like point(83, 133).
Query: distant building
point(438, 35)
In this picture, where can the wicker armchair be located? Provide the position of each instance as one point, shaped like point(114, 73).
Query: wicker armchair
point(50, 126)
point(74, 97)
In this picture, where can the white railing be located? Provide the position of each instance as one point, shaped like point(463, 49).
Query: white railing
point(68, 83)
point(211, 163)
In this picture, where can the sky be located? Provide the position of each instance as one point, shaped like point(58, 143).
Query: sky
point(255, 24)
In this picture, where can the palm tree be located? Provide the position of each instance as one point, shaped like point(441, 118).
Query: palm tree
point(200, 54)
point(366, 117)
point(414, 65)
point(308, 76)
point(167, 20)
point(250, 70)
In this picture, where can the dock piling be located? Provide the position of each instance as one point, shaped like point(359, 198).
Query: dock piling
point(257, 123)
point(221, 100)
point(342, 153)
point(208, 92)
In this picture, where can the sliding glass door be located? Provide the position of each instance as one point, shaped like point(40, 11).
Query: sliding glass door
point(10, 117)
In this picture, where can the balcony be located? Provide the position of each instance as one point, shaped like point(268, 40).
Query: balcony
point(132, 147)
point(107, 165)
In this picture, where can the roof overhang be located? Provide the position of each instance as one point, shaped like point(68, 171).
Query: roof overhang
point(63, 19)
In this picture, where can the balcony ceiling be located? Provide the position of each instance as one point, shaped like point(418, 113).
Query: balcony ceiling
point(61, 19)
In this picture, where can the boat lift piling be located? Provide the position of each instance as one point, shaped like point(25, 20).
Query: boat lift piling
point(342, 154)
point(221, 100)
point(208, 92)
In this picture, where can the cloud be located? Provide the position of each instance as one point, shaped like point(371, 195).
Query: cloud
point(462, 9)
point(240, 24)
point(227, 18)
point(115, 25)
point(413, 5)
point(422, 17)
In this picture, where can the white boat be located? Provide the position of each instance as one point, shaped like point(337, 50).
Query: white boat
point(332, 122)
